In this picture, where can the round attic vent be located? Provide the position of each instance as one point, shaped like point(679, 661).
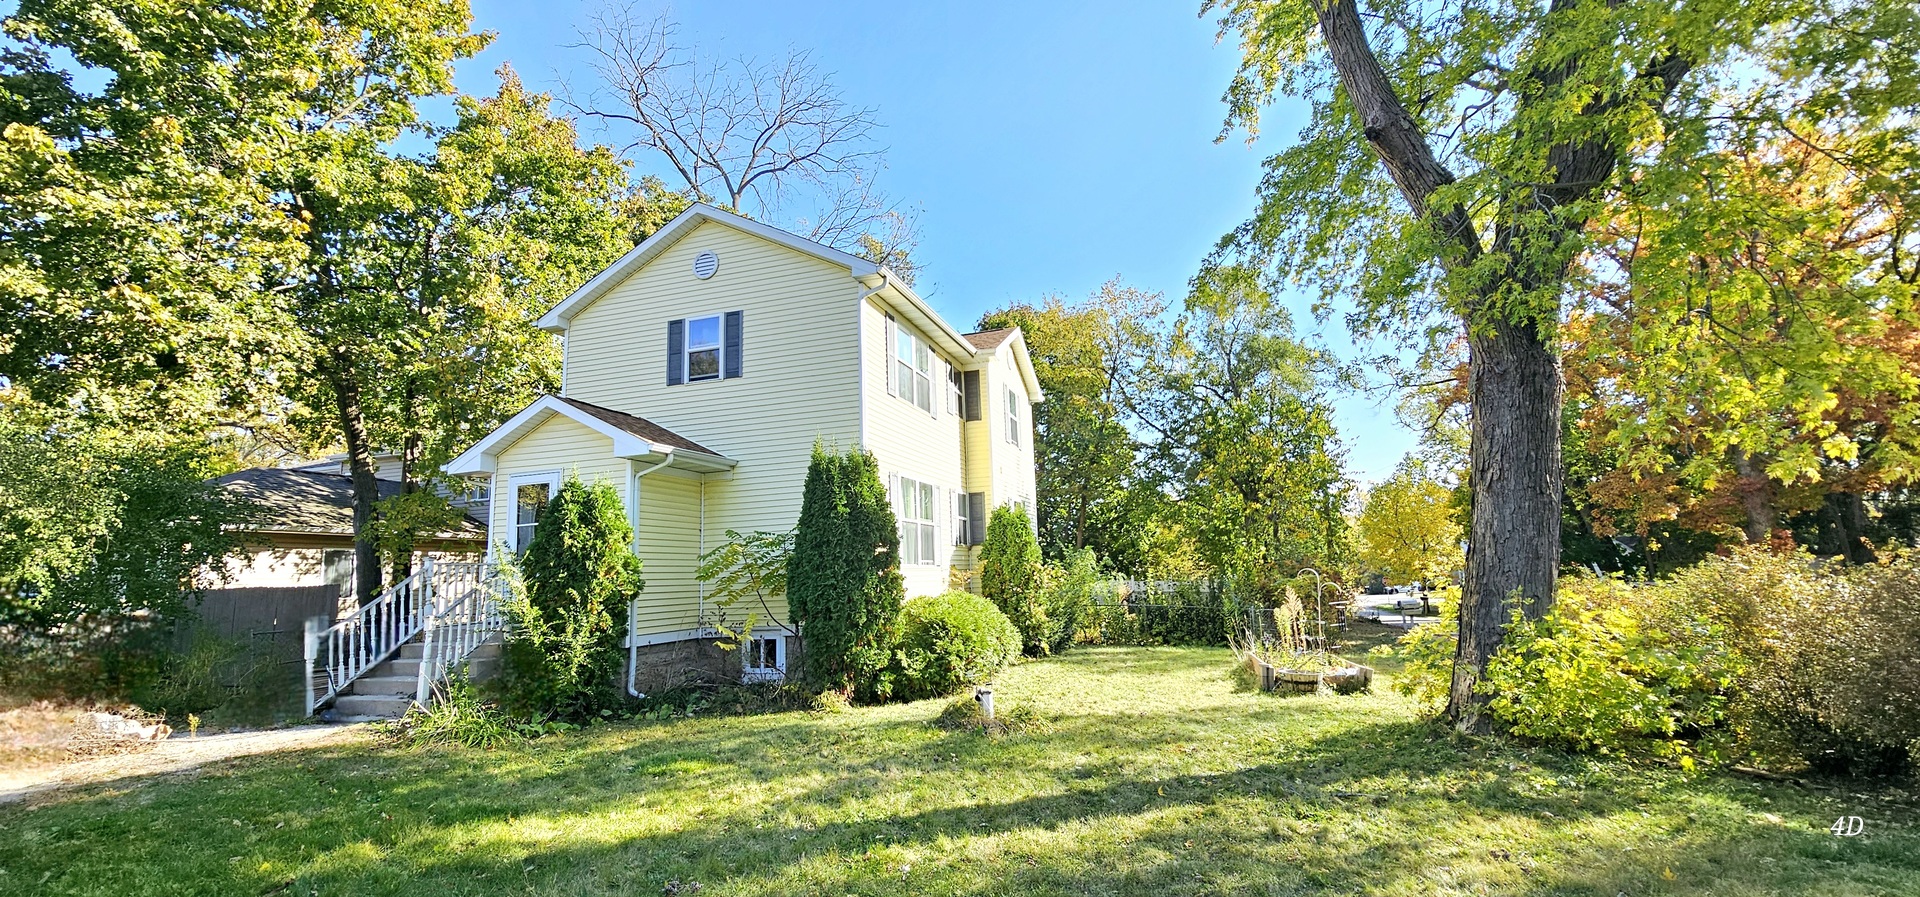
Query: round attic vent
point(705, 264)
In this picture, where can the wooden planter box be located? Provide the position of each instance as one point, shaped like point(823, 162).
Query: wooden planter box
point(1346, 680)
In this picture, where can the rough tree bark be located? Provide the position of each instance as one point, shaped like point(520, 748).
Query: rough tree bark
point(1756, 498)
point(1514, 384)
point(338, 368)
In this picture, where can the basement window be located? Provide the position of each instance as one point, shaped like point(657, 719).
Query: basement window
point(765, 659)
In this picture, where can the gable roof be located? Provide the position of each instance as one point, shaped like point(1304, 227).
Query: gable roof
point(633, 438)
point(296, 500)
point(991, 339)
point(877, 280)
point(557, 318)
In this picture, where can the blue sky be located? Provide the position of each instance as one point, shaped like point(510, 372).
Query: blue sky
point(1048, 147)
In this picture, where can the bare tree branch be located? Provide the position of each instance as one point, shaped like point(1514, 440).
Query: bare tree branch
point(763, 139)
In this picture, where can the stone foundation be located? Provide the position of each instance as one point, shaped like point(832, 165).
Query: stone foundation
point(700, 661)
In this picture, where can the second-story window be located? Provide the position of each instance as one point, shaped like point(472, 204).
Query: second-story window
point(913, 363)
point(913, 505)
point(1013, 417)
point(703, 348)
point(956, 391)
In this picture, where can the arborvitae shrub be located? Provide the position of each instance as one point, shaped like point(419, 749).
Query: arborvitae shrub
point(843, 580)
point(1010, 576)
point(563, 657)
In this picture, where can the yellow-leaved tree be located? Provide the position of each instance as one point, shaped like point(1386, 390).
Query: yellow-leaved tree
point(1408, 531)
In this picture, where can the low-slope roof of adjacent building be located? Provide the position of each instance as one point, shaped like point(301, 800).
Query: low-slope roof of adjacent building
point(315, 502)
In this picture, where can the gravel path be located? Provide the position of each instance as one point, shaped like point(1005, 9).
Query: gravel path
point(180, 753)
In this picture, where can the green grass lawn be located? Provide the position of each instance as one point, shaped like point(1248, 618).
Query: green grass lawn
point(1159, 776)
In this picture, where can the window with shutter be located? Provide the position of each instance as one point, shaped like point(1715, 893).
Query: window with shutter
point(703, 348)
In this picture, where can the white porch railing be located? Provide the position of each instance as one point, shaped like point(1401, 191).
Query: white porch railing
point(341, 653)
point(466, 614)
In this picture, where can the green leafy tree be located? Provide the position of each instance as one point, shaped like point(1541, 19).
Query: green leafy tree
point(1089, 492)
point(749, 568)
point(423, 277)
point(1246, 440)
point(133, 528)
point(843, 583)
point(1458, 160)
point(140, 239)
point(563, 656)
point(1010, 575)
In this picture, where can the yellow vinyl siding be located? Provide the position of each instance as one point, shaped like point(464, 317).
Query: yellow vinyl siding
point(996, 467)
point(799, 378)
point(557, 444)
point(907, 441)
point(669, 553)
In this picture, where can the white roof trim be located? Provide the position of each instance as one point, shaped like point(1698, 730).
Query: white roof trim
point(557, 318)
point(916, 310)
point(482, 457)
point(1023, 359)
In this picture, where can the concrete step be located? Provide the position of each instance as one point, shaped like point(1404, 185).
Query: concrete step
point(384, 685)
point(398, 666)
point(355, 708)
point(412, 650)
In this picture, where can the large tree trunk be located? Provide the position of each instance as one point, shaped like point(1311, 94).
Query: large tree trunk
point(1756, 499)
point(410, 451)
point(341, 376)
point(1514, 383)
point(1514, 544)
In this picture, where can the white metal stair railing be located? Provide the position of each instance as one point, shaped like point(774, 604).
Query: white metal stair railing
point(340, 653)
point(466, 614)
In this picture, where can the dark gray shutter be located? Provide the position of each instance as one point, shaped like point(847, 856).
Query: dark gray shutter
point(732, 342)
point(676, 351)
point(976, 517)
point(970, 384)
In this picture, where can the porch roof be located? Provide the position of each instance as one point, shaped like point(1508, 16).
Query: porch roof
point(634, 438)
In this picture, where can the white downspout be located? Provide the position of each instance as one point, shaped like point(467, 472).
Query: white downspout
point(633, 606)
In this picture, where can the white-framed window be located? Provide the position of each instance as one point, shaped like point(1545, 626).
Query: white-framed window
point(703, 348)
point(1013, 417)
point(913, 368)
point(764, 658)
point(956, 391)
point(531, 492)
point(962, 518)
point(913, 506)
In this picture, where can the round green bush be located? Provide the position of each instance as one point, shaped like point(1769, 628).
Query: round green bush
point(947, 642)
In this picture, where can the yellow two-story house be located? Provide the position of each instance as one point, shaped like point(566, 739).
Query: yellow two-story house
point(699, 371)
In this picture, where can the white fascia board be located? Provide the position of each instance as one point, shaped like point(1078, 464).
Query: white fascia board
point(557, 318)
point(1025, 360)
point(909, 305)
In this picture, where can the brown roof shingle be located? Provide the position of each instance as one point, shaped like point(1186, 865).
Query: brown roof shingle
point(991, 339)
point(641, 427)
